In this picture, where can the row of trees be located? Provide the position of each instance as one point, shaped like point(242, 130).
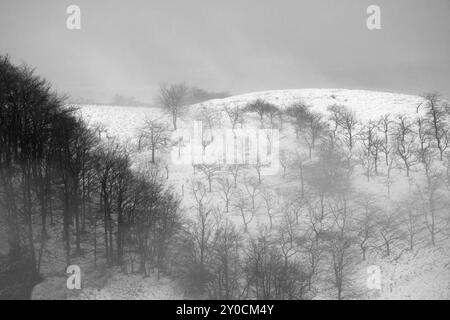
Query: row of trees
point(57, 176)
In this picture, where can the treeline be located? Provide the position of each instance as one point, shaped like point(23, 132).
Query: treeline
point(57, 176)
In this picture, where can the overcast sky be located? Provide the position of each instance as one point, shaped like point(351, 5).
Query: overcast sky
point(128, 47)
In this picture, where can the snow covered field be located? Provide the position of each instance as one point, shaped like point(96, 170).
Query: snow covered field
point(123, 121)
point(423, 274)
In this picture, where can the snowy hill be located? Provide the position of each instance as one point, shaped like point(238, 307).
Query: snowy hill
point(122, 121)
point(424, 274)
point(366, 104)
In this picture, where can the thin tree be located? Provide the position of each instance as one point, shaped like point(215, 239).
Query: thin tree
point(155, 136)
point(172, 99)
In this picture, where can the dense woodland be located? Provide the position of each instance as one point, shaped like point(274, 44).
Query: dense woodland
point(59, 173)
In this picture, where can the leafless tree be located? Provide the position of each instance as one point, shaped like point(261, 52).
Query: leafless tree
point(404, 142)
point(253, 190)
point(234, 170)
point(172, 98)
point(389, 180)
point(297, 162)
point(272, 113)
point(269, 199)
point(243, 206)
point(263, 108)
point(347, 121)
point(317, 219)
point(387, 222)
point(335, 119)
point(365, 222)
point(209, 171)
point(267, 275)
point(424, 145)
point(210, 117)
point(298, 112)
point(235, 114)
point(368, 138)
point(313, 130)
point(339, 245)
point(431, 201)
point(378, 145)
point(438, 120)
point(287, 237)
point(225, 190)
point(284, 160)
point(385, 123)
point(155, 136)
point(196, 247)
point(227, 269)
point(411, 219)
point(258, 168)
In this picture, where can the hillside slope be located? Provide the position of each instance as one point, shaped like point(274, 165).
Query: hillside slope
point(423, 274)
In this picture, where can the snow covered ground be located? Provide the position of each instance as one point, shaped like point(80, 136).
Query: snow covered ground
point(133, 287)
point(422, 274)
point(369, 105)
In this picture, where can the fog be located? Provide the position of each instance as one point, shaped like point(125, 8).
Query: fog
point(129, 47)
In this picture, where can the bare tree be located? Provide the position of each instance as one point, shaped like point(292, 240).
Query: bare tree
point(253, 190)
point(284, 161)
point(346, 120)
point(225, 190)
point(269, 199)
point(430, 200)
point(317, 220)
point(235, 115)
point(243, 206)
point(313, 130)
point(258, 168)
point(287, 237)
point(234, 170)
point(156, 136)
point(199, 242)
point(209, 171)
point(263, 266)
point(368, 138)
point(204, 217)
point(263, 108)
point(172, 98)
point(298, 163)
point(349, 124)
point(210, 117)
point(424, 145)
point(365, 223)
point(389, 180)
point(227, 269)
point(259, 106)
point(314, 255)
point(437, 117)
point(299, 112)
point(411, 219)
point(274, 112)
point(404, 142)
point(385, 124)
point(335, 118)
point(388, 228)
point(339, 245)
point(378, 145)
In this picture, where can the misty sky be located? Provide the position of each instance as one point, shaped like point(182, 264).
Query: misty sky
point(128, 47)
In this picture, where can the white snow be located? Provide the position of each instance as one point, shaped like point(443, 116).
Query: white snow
point(422, 274)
